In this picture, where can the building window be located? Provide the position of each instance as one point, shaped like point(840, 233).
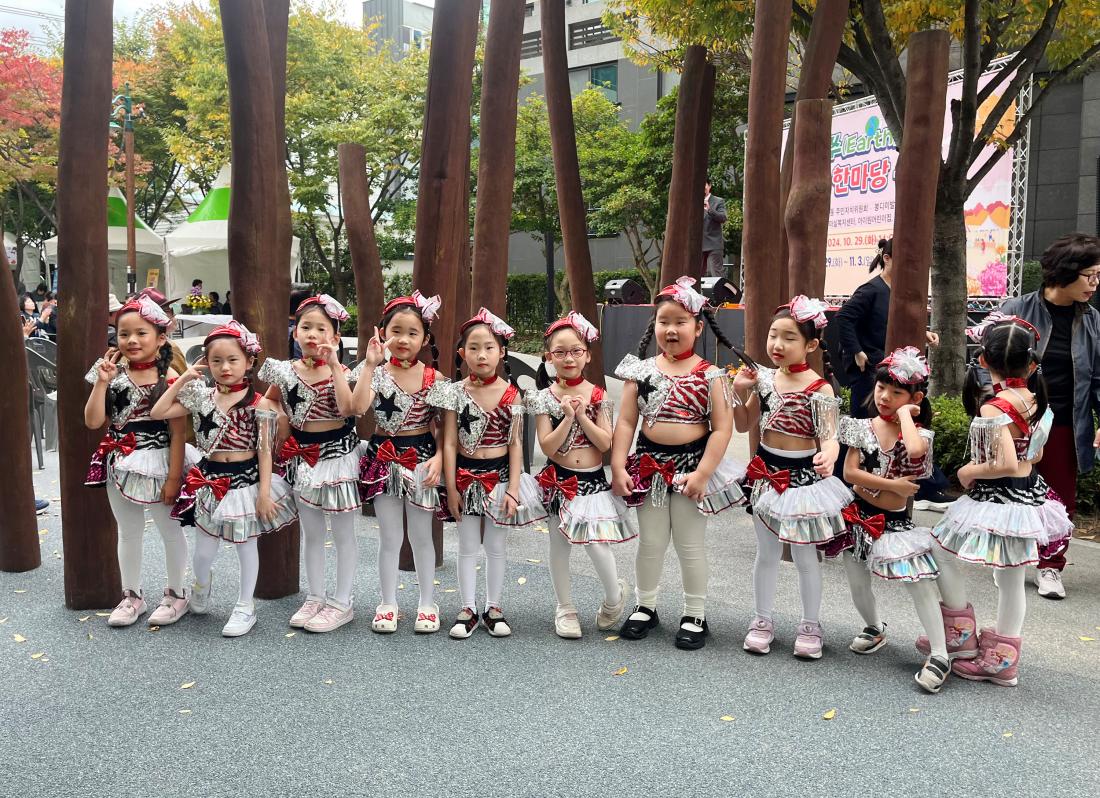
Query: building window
point(531, 47)
point(604, 77)
point(413, 38)
point(529, 10)
point(589, 33)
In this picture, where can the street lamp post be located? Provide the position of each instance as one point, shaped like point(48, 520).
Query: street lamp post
point(123, 110)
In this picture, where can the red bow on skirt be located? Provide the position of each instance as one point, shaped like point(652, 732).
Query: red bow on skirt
point(648, 466)
point(387, 453)
point(466, 478)
point(758, 469)
point(549, 482)
point(195, 480)
point(311, 453)
point(873, 526)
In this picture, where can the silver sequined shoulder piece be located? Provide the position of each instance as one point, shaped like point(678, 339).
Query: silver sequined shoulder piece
point(652, 398)
point(543, 403)
point(443, 394)
point(205, 406)
point(192, 395)
point(279, 373)
point(858, 433)
point(631, 368)
point(92, 377)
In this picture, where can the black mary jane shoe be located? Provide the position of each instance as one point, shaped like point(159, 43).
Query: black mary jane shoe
point(639, 628)
point(689, 639)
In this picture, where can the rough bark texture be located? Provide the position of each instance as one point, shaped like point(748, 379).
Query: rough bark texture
point(702, 161)
point(442, 221)
point(815, 77)
point(806, 217)
point(254, 32)
point(563, 142)
point(497, 160)
point(763, 220)
point(948, 360)
point(91, 563)
point(917, 179)
point(683, 249)
point(19, 547)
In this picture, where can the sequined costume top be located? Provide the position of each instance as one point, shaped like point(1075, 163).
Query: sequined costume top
point(546, 402)
point(130, 402)
point(303, 401)
point(478, 428)
point(892, 463)
point(216, 430)
point(684, 399)
point(801, 414)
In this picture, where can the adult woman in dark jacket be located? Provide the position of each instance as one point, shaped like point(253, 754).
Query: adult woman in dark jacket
point(1069, 351)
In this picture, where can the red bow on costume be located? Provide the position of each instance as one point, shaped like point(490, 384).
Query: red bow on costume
point(648, 466)
point(873, 526)
point(311, 453)
point(758, 469)
point(548, 481)
point(466, 478)
point(126, 444)
point(387, 453)
point(195, 480)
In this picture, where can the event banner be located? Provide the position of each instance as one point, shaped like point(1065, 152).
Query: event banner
point(864, 165)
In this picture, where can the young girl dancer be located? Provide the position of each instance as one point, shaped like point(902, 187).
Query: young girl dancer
point(399, 471)
point(483, 466)
point(1006, 514)
point(231, 495)
point(795, 498)
point(887, 455)
point(678, 474)
point(573, 419)
point(321, 456)
point(140, 461)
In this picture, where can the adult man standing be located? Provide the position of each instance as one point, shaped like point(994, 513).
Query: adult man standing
point(714, 216)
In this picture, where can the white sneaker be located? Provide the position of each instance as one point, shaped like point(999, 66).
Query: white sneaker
point(1050, 584)
point(607, 617)
point(200, 596)
point(240, 622)
point(566, 623)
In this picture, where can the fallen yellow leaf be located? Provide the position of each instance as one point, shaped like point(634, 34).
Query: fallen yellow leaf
point(450, 590)
point(327, 681)
point(291, 634)
point(522, 580)
point(1085, 639)
point(620, 672)
point(38, 655)
point(154, 628)
point(914, 709)
point(20, 590)
point(829, 715)
point(534, 561)
point(726, 718)
point(187, 685)
point(610, 638)
point(89, 635)
point(103, 614)
point(401, 586)
point(1007, 734)
point(82, 619)
point(19, 638)
point(4, 619)
point(436, 582)
point(44, 659)
point(185, 712)
point(43, 531)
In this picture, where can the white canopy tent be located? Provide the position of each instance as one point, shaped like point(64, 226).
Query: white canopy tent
point(199, 248)
point(149, 248)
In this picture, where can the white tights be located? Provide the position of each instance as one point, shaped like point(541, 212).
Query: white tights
point(248, 558)
point(923, 593)
point(313, 523)
point(603, 560)
point(682, 523)
point(130, 518)
point(1011, 596)
point(496, 550)
point(765, 573)
point(391, 512)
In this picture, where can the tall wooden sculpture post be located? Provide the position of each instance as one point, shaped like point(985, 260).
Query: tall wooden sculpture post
point(563, 143)
point(19, 547)
point(91, 564)
point(917, 175)
point(366, 263)
point(806, 217)
point(259, 243)
point(683, 248)
point(441, 263)
point(763, 219)
point(497, 160)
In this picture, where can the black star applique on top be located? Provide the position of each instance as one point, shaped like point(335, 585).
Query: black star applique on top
point(645, 388)
point(465, 419)
point(121, 400)
point(387, 405)
point(207, 423)
point(293, 398)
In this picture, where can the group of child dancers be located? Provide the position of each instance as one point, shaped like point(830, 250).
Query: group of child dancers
point(453, 450)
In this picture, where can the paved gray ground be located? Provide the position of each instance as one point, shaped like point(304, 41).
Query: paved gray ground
point(352, 713)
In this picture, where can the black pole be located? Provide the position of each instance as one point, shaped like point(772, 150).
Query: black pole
point(551, 297)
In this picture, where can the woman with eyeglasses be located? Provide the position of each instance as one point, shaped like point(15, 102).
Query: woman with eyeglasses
point(1069, 352)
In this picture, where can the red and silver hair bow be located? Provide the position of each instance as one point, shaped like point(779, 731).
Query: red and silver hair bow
point(585, 329)
point(495, 323)
point(976, 332)
point(147, 309)
point(907, 365)
point(427, 305)
point(333, 309)
point(250, 342)
point(682, 292)
point(804, 309)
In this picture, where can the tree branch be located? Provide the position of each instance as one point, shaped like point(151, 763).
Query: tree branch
point(884, 53)
point(1030, 52)
point(965, 112)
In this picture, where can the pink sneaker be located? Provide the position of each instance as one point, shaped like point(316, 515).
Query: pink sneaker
point(997, 660)
point(306, 612)
point(760, 636)
point(128, 610)
point(332, 616)
point(960, 629)
point(808, 643)
point(171, 609)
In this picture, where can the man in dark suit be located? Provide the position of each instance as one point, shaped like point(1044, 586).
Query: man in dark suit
point(714, 216)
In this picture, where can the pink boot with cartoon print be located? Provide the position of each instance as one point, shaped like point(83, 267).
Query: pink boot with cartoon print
point(997, 660)
point(960, 628)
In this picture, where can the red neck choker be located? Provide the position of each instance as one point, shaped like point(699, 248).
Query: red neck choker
point(572, 383)
point(134, 366)
point(402, 364)
point(476, 380)
point(681, 356)
point(1011, 382)
point(796, 368)
point(240, 386)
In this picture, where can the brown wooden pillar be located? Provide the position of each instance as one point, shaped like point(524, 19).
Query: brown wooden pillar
point(91, 561)
point(702, 160)
point(763, 219)
point(497, 159)
point(918, 174)
point(563, 143)
point(254, 32)
point(806, 217)
point(19, 547)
